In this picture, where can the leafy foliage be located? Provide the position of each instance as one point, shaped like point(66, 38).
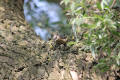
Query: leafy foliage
point(102, 29)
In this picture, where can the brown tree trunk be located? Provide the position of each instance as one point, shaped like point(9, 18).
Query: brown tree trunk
point(23, 56)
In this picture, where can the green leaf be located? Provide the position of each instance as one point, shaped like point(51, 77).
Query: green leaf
point(65, 1)
point(99, 5)
point(92, 48)
point(71, 43)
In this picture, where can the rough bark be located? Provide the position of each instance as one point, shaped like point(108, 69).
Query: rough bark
point(23, 56)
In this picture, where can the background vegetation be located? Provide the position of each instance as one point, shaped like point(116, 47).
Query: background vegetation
point(99, 20)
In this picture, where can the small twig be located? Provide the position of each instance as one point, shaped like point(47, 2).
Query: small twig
point(12, 24)
point(113, 3)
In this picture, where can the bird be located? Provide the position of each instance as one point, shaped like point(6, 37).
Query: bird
point(45, 17)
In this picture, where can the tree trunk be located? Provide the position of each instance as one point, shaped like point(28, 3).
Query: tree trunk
point(23, 56)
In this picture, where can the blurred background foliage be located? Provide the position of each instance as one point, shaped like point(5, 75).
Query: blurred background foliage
point(45, 17)
point(100, 22)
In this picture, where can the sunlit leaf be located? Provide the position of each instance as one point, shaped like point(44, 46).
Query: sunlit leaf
point(71, 43)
